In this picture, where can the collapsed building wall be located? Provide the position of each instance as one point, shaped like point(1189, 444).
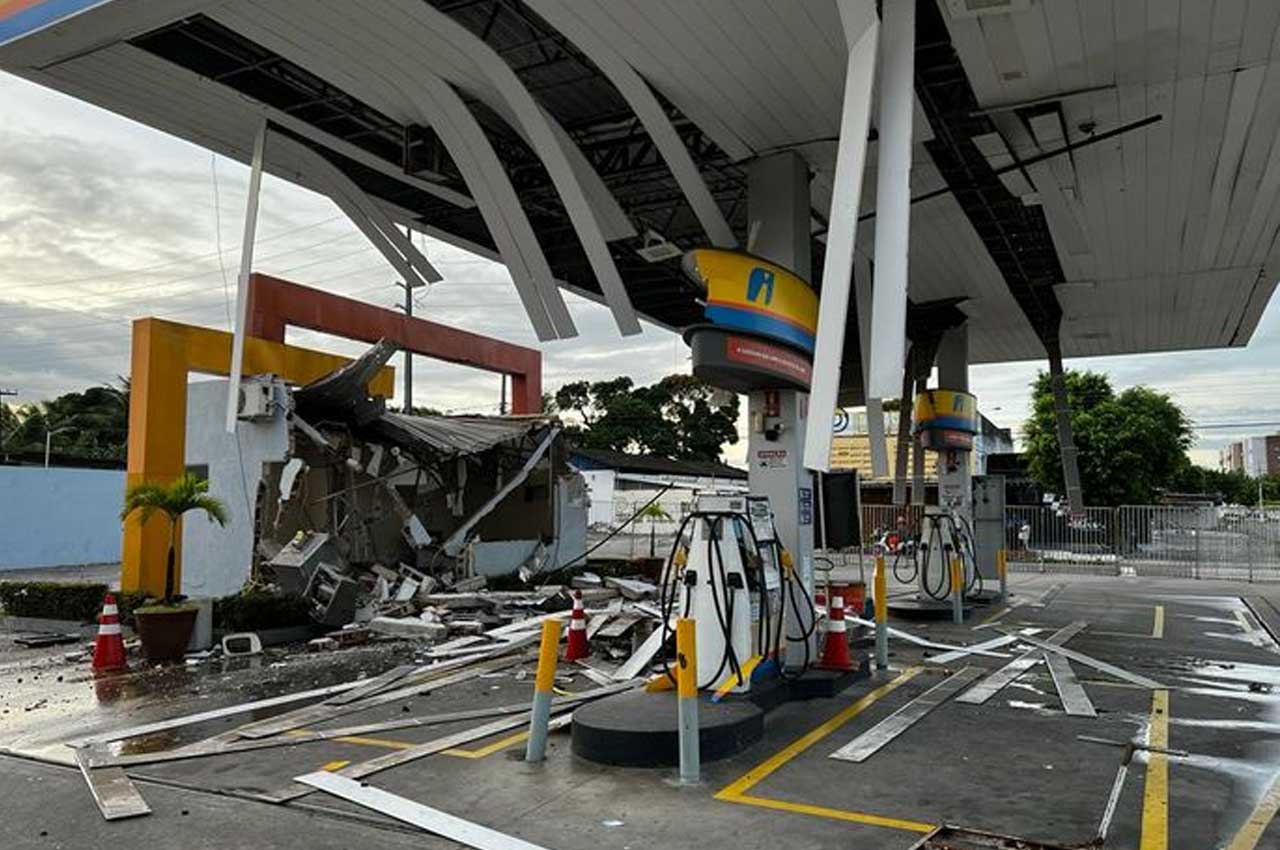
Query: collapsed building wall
point(346, 493)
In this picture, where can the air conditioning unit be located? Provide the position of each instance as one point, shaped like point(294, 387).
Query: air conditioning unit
point(657, 249)
point(978, 8)
point(257, 396)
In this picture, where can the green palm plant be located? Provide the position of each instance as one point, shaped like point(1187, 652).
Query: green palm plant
point(655, 513)
point(188, 492)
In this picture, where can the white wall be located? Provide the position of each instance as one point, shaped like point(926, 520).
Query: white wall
point(59, 517)
point(216, 560)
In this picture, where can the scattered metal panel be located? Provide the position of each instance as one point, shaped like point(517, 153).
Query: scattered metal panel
point(1089, 661)
point(228, 743)
point(640, 660)
point(367, 768)
point(374, 686)
point(213, 714)
point(116, 796)
point(323, 712)
point(994, 643)
point(996, 682)
point(456, 540)
point(458, 434)
point(424, 817)
point(1074, 699)
point(927, 644)
point(346, 389)
point(877, 737)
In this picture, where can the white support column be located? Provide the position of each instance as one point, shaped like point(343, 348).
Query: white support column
point(837, 269)
point(778, 199)
point(893, 198)
point(246, 268)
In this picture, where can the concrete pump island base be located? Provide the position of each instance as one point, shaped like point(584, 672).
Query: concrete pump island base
point(1147, 710)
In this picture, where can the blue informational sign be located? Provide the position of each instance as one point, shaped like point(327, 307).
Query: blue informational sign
point(806, 506)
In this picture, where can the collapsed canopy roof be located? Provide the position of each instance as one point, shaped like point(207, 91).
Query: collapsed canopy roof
point(1162, 237)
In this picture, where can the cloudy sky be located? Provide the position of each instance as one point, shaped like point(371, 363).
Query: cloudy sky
point(103, 220)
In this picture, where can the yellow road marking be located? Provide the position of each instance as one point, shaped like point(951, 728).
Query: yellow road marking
point(1157, 627)
point(335, 765)
point(1155, 788)
point(755, 775)
point(387, 743)
point(835, 814)
point(1251, 833)
point(736, 791)
point(488, 749)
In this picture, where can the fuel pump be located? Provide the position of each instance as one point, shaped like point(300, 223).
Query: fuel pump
point(729, 572)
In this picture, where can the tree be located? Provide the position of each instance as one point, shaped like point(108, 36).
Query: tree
point(188, 493)
point(1131, 445)
point(93, 423)
point(678, 417)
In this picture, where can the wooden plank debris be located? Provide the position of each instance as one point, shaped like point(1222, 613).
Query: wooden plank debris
point(877, 737)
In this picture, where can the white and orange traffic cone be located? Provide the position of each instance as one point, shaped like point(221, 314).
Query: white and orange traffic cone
point(577, 647)
point(108, 648)
point(835, 647)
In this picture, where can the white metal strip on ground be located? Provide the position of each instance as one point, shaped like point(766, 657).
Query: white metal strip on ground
point(996, 682)
point(927, 644)
point(994, 643)
point(1089, 661)
point(1074, 699)
point(640, 660)
point(874, 739)
point(212, 714)
point(116, 796)
point(372, 686)
point(424, 817)
point(319, 713)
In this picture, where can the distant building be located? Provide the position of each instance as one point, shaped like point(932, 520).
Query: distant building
point(1254, 456)
point(619, 483)
point(851, 446)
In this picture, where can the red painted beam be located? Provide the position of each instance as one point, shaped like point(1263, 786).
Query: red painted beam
point(276, 304)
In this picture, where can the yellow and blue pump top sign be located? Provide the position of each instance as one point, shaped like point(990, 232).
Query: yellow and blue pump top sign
point(754, 295)
point(948, 410)
point(22, 17)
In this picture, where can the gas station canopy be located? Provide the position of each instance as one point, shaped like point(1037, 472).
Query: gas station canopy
point(1106, 171)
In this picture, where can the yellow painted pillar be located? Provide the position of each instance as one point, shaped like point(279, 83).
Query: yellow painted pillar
point(544, 681)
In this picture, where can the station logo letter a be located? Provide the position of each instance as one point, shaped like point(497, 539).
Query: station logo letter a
point(760, 279)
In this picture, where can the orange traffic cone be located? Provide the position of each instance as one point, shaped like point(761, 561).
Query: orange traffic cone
point(820, 608)
point(577, 647)
point(835, 647)
point(108, 647)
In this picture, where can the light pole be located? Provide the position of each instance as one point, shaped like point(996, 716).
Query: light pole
point(408, 355)
point(48, 441)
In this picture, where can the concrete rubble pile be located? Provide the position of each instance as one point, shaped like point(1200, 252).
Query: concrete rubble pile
point(395, 522)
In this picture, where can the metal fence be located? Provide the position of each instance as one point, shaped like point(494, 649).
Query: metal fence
point(1180, 541)
point(1177, 541)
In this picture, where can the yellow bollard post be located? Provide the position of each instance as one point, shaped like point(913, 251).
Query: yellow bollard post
point(687, 700)
point(882, 613)
point(1002, 570)
point(540, 714)
point(957, 590)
